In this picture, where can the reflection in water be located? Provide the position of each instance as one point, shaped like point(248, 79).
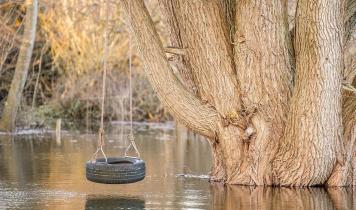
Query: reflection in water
point(36, 173)
point(265, 198)
point(95, 202)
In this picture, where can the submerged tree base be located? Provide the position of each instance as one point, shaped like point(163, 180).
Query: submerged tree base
point(272, 110)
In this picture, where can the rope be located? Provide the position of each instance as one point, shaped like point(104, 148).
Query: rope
point(101, 139)
point(131, 136)
point(130, 73)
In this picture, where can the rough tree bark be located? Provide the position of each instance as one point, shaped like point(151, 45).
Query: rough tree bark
point(7, 122)
point(313, 129)
point(272, 113)
point(209, 57)
point(182, 104)
point(263, 58)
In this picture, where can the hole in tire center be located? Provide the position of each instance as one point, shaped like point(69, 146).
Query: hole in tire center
point(120, 162)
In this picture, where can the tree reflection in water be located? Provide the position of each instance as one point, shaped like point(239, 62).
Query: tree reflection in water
point(266, 198)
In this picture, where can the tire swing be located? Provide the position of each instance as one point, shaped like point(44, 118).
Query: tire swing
point(115, 170)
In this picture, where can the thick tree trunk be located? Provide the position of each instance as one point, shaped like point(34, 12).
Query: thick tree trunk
point(262, 56)
point(313, 134)
point(344, 171)
point(199, 27)
point(12, 103)
point(267, 124)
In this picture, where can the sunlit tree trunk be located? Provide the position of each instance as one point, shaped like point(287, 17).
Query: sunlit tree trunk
point(272, 112)
point(313, 130)
point(13, 100)
point(263, 57)
point(344, 173)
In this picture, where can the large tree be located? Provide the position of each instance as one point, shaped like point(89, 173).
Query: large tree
point(7, 122)
point(269, 100)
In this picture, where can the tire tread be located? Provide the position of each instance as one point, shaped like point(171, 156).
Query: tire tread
point(102, 172)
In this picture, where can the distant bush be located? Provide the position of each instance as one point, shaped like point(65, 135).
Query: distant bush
point(66, 70)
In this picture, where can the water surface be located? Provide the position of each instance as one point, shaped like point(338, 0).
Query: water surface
point(36, 172)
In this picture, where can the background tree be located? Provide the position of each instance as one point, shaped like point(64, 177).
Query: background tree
point(7, 122)
point(270, 103)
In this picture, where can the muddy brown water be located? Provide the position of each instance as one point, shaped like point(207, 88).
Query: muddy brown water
point(36, 172)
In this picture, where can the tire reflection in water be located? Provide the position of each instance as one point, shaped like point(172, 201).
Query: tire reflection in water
point(98, 202)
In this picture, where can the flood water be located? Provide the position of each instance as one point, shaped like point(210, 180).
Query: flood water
point(36, 172)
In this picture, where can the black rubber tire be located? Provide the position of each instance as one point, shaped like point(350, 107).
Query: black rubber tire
point(118, 170)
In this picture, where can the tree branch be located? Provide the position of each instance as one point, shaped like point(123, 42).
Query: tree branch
point(182, 104)
point(175, 50)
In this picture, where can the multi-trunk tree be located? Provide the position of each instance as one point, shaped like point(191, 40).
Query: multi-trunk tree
point(269, 100)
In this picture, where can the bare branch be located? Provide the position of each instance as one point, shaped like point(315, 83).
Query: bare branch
point(174, 50)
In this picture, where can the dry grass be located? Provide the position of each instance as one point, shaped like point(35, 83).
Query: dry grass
point(77, 48)
point(77, 40)
point(67, 63)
